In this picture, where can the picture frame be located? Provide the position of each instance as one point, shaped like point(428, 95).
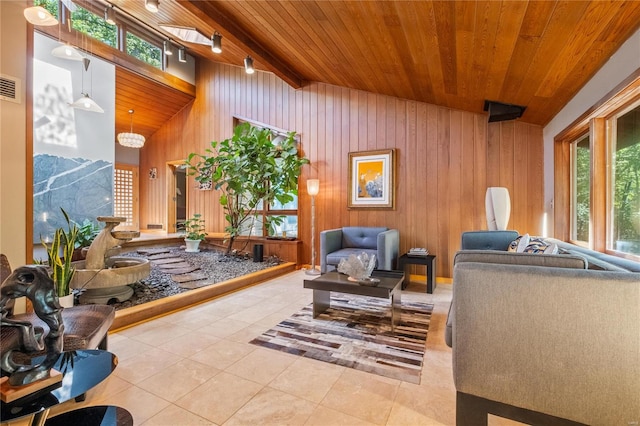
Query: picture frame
point(372, 179)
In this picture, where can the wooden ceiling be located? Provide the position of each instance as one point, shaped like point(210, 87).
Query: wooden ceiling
point(452, 53)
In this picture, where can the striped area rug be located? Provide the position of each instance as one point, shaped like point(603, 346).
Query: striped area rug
point(356, 332)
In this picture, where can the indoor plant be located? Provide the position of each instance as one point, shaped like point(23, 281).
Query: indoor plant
point(194, 232)
point(250, 170)
point(61, 268)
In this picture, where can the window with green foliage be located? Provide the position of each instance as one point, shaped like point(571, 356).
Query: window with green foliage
point(581, 151)
point(624, 192)
point(52, 6)
point(144, 50)
point(94, 26)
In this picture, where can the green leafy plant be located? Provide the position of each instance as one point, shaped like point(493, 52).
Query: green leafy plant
point(247, 169)
point(87, 232)
point(194, 228)
point(61, 268)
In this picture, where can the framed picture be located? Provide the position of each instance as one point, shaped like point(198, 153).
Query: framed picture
point(372, 179)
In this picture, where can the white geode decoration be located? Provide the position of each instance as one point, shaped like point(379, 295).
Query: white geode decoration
point(357, 267)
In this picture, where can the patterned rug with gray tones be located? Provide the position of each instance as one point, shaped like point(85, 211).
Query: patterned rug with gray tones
point(356, 332)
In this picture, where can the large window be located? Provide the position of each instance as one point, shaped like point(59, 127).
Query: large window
point(598, 185)
point(581, 154)
point(95, 26)
point(144, 50)
point(624, 193)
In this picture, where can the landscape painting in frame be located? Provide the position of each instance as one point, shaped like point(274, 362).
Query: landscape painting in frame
point(371, 179)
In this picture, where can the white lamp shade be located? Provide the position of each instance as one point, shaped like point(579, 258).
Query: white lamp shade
point(87, 104)
point(313, 186)
point(498, 208)
point(67, 51)
point(38, 15)
point(131, 140)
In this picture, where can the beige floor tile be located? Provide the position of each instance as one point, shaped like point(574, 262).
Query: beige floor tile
point(223, 328)
point(422, 405)
point(362, 396)
point(177, 380)
point(223, 353)
point(261, 365)
point(308, 379)
point(141, 404)
point(189, 343)
point(176, 416)
point(323, 416)
point(125, 348)
point(248, 333)
point(220, 397)
point(272, 407)
point(160, 335)
point(192, 318)
point(145, 365)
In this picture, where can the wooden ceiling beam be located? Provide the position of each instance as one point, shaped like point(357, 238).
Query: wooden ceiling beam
point(237, 35)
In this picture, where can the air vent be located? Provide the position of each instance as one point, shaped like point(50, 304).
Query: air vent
point(10, 88)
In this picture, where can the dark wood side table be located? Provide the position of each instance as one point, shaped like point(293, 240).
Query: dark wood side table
point(430, 263)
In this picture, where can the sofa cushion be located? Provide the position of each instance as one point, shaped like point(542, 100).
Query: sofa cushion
point(487, 240)
point(361, 237)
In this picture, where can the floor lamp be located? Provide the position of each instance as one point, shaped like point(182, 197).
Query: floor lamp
point(313, 187)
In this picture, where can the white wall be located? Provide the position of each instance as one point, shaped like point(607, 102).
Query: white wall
point(621, 65)
point(13, 185)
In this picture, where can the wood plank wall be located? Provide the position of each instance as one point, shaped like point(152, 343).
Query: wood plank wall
point(445, 158)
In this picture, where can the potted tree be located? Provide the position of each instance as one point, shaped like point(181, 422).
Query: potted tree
point(59, 257)
point(194, 232)
point(249, 170)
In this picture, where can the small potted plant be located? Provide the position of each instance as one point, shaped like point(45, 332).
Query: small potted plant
point(61, 268)
point(194, 232)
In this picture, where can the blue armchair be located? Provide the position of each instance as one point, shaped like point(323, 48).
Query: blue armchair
point(337, 244)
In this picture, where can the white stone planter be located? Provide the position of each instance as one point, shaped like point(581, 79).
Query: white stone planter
point(66, 301)
point(192, 245)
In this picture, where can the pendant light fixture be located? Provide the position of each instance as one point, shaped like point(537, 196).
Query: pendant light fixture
point(152, 5)
point(130, 139)
point(248, 65)
point(38, 15)
point(216, 42)
point(85, 102)
point(66, 51)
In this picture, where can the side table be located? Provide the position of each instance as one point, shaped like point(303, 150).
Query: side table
point(430, 263)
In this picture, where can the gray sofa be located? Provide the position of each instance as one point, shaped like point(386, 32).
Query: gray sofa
point(543, 340)
point(337, 244)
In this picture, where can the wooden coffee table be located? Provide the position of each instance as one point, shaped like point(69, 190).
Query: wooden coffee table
point(390, 286)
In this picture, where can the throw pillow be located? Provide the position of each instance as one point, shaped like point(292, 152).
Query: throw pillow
point(526, 244)
point(519, 243)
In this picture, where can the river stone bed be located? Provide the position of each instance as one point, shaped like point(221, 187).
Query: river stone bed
point(215, 265)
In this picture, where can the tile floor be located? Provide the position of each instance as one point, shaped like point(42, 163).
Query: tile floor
point(195, 367)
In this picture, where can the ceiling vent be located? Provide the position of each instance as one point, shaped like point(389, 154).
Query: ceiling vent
point(501, 112)
point(10, 88)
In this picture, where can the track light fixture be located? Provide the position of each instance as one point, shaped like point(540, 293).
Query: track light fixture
point(216, 42)
point(182, 54)
point(167, 48)
point(248, 65)
point(152, 5)
point(110, 15)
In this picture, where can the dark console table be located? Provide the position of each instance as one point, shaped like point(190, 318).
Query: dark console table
point(429, 261)
point(81, 370)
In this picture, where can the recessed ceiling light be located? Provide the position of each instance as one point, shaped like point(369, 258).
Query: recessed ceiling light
point(187, 34)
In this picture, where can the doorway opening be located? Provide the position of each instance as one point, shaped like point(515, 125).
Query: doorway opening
point(177, 199)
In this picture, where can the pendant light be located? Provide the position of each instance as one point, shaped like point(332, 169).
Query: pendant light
point(130, 139)
point(38, 15)
point(85, 102)
point(66, 51)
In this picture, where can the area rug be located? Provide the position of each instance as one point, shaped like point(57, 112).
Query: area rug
point(356, 332)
